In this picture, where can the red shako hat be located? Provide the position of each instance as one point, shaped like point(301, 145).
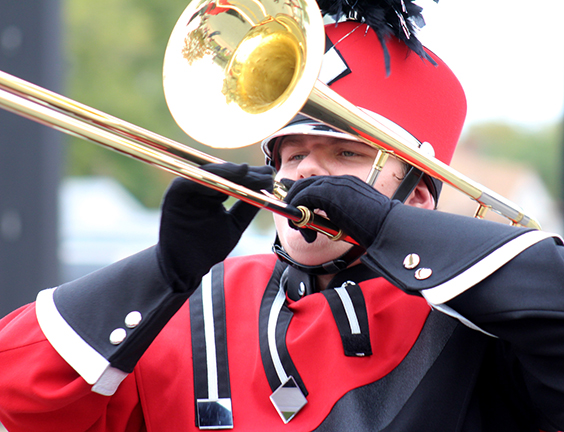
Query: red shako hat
point(423, 96)
point(425, 99)
point(387, 71)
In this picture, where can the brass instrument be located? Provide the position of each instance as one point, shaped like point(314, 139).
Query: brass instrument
point(236, 71)
point(51, 109)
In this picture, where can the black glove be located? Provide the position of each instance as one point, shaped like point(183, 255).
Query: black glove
point(197, 231)
point(350, 203)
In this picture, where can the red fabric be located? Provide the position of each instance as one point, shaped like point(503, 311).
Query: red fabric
point(218, 7)
point(313, 341)
point(40, 392)
point(426, 100)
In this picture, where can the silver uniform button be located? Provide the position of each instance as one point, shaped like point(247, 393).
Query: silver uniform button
point(411, 261)
point(133, 319)
point(117, 336)
point(301, 289)
point(423, 273)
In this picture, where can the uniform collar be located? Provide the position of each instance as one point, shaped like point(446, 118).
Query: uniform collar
point(299, 284)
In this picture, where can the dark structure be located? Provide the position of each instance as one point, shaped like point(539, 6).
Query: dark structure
point(30, 155)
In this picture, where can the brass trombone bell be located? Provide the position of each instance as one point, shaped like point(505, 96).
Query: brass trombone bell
point(235, 71)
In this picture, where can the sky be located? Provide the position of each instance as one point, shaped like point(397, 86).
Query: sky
point(508, 55)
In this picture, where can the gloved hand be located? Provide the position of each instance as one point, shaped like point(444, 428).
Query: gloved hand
point(197, 231)
point(350, 203)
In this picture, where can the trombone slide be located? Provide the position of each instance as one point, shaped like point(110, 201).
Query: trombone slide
point(50, 109)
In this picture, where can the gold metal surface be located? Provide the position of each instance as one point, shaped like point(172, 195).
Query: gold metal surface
point(377, 166)
point(307, 217)
point(234, 73)
point(280, 191)
point(263, 70)
point(338, 236)
point(481, 212)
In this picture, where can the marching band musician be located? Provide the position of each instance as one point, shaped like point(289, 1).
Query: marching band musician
point(433, 322)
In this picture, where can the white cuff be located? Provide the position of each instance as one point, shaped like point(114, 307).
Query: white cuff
point(485, 267)
point(84, 359)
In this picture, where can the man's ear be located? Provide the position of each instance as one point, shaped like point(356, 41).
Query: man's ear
point(421, 197)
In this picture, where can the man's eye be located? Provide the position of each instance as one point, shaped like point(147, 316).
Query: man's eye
point(296, 157)
point(348, 153)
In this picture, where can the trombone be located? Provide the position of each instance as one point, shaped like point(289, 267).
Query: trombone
point(68, 116)
point(234, 73)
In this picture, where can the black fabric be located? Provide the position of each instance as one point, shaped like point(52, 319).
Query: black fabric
point(329, 267)
point(220, 331)
point(282, 325)
point(532, 328)
point(98, 303)
point(375, 406)
point(453, 378)
point(439, 241)
point(354, 206)
point(156, 282)
point(194, 216)
point(197, 325)
point(265, 306)
point(408, 184)
point(420, 413)
point(284, 319)
point(354, 345)
point(199, 363)
point(296, 280)
point(357, 273)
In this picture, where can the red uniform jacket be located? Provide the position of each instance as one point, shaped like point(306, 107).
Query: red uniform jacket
point(426, 370)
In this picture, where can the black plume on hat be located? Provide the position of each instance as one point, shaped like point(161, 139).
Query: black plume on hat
point(399, 18)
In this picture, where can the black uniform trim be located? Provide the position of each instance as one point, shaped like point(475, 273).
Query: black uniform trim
point(430, 235)
point(352, 344)
point(197, 323)
point(408, 184)
point(224, 387)
point(211, 375)
point(355, 343)
point(98, 303)
point(199, 358)
point(282, 324)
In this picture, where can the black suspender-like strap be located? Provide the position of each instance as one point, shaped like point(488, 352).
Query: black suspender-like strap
point(288, 390)
point(212, 391)
point(349, 311)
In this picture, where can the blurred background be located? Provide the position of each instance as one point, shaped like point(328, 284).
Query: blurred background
point(68, 207)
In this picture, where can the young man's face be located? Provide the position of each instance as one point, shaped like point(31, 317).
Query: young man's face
point(303, 156)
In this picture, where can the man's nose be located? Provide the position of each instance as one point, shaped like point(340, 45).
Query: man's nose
point(312, 165)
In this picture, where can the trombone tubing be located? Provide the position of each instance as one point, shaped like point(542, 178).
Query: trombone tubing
point(327, 106)
point(43, 106)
